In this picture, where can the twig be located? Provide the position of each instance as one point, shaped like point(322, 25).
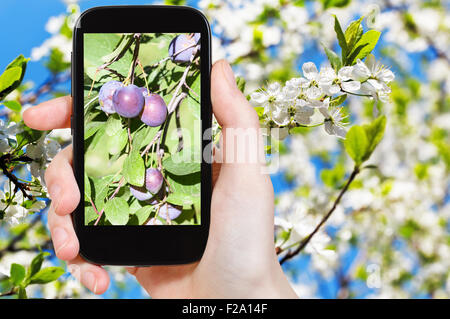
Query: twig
point(307, 239)
point(173, 103)
point(137, 37)
point(155, 138)
point(169, 57)
point(93, 206)
point(18, 185)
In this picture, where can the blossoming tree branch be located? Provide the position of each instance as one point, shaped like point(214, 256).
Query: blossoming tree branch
point(356, 72)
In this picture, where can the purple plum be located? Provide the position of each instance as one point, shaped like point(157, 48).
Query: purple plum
point(179, 43)
point(155, 110)
point(154, 221)
point(170, 211)
point(153, 180)
point(105, 96)
point(128, 101)
point(140, 193)
point(144, 91)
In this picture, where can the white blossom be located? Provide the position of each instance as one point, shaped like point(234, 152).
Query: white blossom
point(42, 152)
point(334, 124)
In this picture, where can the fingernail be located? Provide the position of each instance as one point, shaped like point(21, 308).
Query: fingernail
point(88, 279)
point(54, 191)
point(60, 238)
point(229, 75)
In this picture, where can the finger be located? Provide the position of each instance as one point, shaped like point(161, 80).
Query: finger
point(93, 277)
point(241, 139)
point(49, 115)
point(61, 183)
point(65, 241)
point(230, 106)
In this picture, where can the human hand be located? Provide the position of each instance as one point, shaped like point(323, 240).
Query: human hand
point(239, 260)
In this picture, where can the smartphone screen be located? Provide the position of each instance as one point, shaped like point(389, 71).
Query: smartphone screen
point(142, 129)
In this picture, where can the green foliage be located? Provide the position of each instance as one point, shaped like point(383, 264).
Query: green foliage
point(56, 63)
point(363, 47)
point(96, 46)
point(334, 3)
point(333, 177)
point(183, 163)
point(356, 143)
point(46, 275)
point(27, 136)
point(13, 105)
point(134, 169)
point(17, 274)
point(334, 59)
point(354, 43)
point(117, 211)
point(20, 277)
point(361, 141)
point(240, 82)
point(12, 76)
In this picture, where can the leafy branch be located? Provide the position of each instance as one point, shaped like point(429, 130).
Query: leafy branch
point(360, 143)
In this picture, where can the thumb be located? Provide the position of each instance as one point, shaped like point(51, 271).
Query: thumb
point(230, 106)
point(241, 140)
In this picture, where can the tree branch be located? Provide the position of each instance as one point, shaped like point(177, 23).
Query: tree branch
point(307, 239)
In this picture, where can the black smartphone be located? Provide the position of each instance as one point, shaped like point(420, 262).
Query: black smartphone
point(141, 134)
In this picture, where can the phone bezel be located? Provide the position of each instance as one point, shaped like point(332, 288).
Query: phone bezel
point(141, 245)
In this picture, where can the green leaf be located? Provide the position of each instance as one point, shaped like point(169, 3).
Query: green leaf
point(101, 187)
point(12, 76)
point(155, 50)
point(13, 105)
point(186, 189)
point(91, 128)
point(334, 59)
point(113, 125)
point(47, 275)
point(374, 133)
point(17, 274)
point(363, 47)
point(8, 78)
point(123, 45)
point(89, 215)
point(356, 144)
point(341, 39)
point(333, 177)
point(96, 45)
point(338, 100)
point(186, 162)
point(335, 3)
point(240, 82)
point(56, 61)
point(87, 188)
point(193, 99)
point(117, 142)
point(22, 293)
point(353, 33)
point(36, 264)
point(134, 169)
point(142, 214)
point(27, 136)
point(117, 211)
point(144, 136)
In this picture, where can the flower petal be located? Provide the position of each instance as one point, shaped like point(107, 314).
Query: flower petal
point(310, 70)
